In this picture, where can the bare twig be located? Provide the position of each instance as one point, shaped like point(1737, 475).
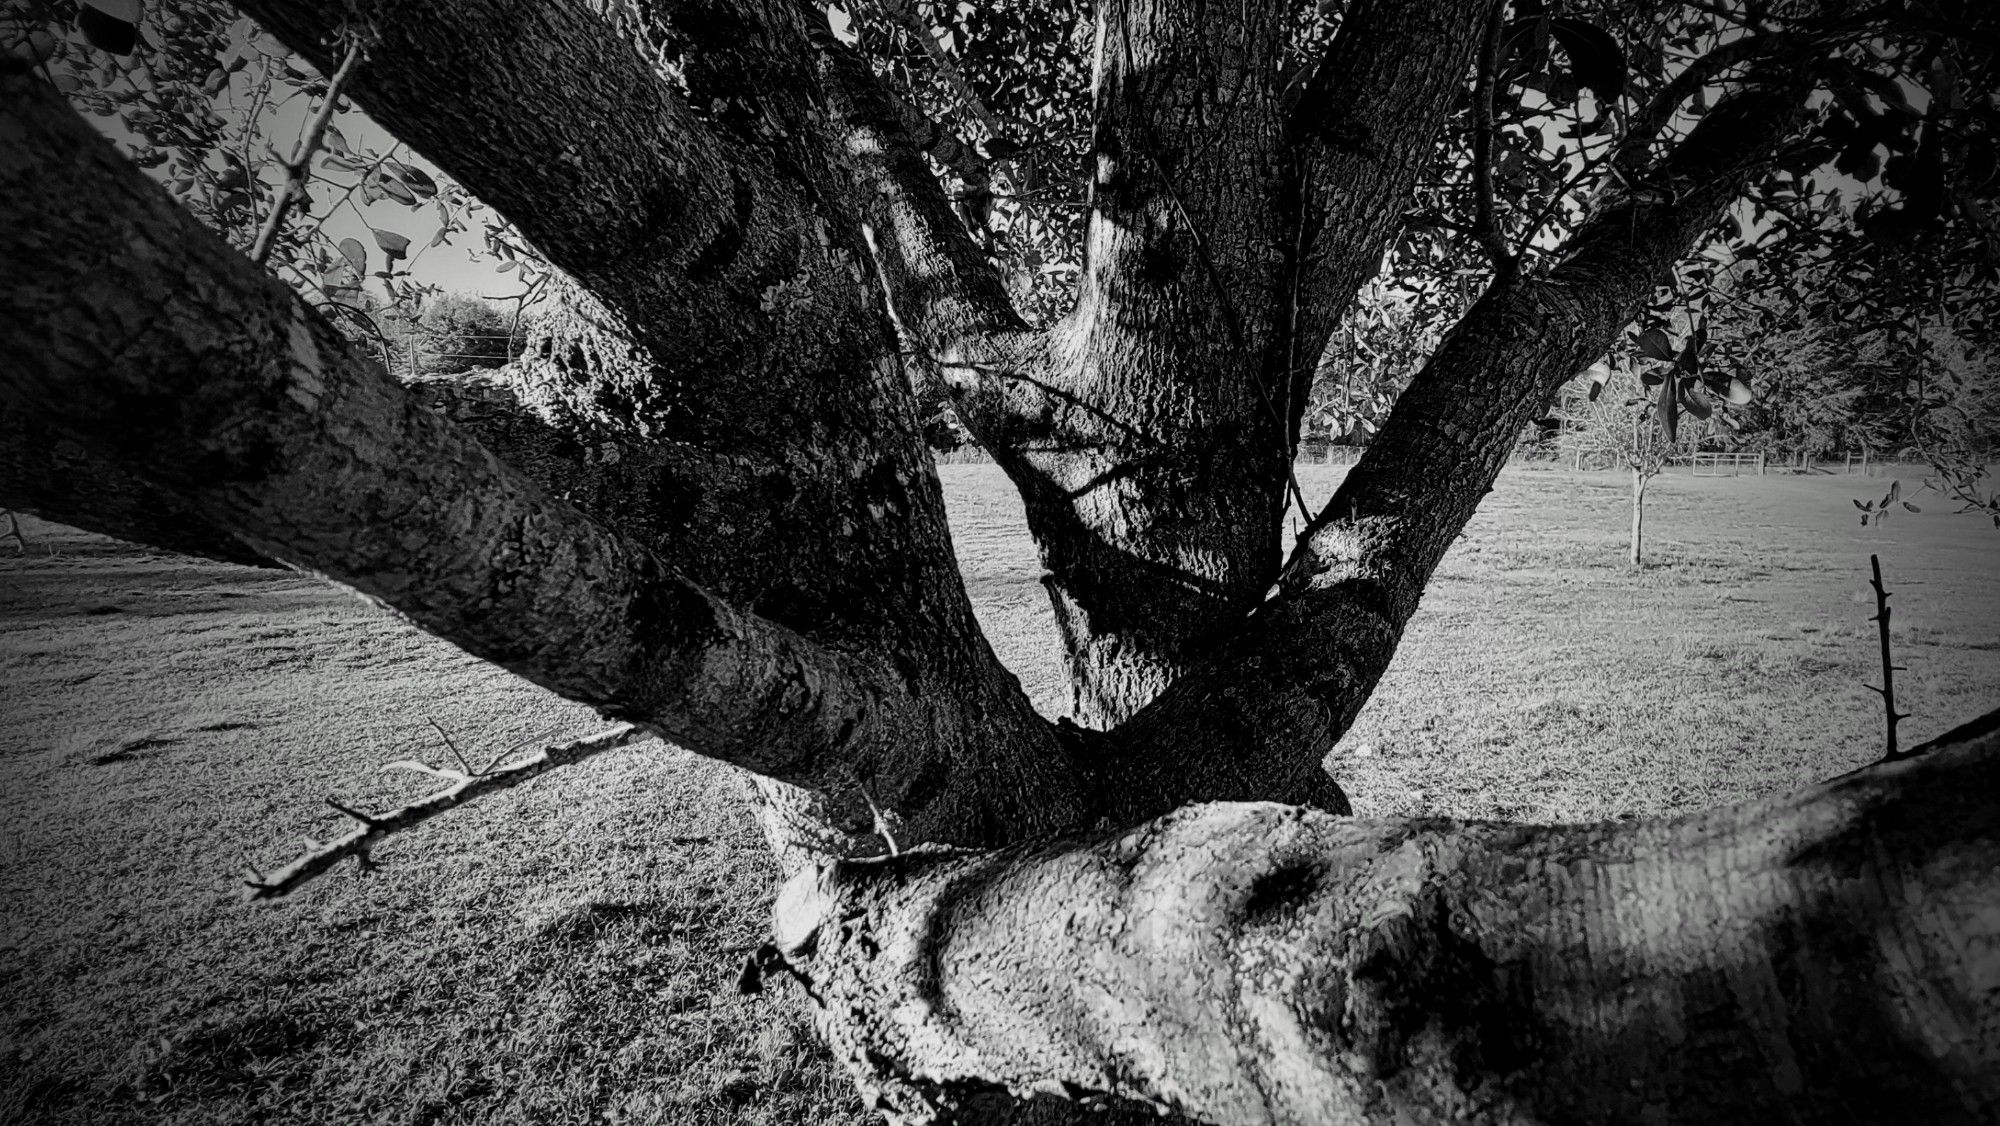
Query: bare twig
point(1889, 669)
point(464, 787)
point(300, 165)
point(452, 744)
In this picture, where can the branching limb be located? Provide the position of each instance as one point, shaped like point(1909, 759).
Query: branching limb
point(1631, 158)
point(1326, 632)
point(466, 786)
point(298, 168)
point(140, 332)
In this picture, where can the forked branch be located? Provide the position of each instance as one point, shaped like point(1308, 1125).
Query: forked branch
point(299, 167)
point(465, 786)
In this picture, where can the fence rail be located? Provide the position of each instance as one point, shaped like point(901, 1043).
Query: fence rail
point(1724, 465)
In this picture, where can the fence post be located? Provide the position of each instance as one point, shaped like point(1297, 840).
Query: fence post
point(1760, 463)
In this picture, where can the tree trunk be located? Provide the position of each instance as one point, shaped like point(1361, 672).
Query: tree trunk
point(1824, 957)
point(1636, 556)
point(703, 504)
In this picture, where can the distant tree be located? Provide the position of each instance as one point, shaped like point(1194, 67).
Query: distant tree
point(455, 332)
point(1613, 419)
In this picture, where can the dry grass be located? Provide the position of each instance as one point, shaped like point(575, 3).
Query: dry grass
point(567, 952)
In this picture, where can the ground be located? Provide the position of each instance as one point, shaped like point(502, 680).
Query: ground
point(568, 952)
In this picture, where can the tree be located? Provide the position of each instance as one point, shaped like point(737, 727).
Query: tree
point(702, 504)
point(1614, 421)
point(459, 333)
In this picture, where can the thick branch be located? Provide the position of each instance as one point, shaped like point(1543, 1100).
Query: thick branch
point(60, 479)
point(138, 331)
point(1646, 125)
point(1372, 112)
point(939, 285)
point(1820, 957)
point(1316, 648)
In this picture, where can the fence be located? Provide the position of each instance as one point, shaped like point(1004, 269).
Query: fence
point(1333, 455)
point(415, 357)
point(1724, 465)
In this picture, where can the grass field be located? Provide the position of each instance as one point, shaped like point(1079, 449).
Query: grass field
point(568, 952)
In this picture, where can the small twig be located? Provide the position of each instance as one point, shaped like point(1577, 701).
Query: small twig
point(300, 165)
point(455, 753)
point(882, 826)
point(374, 827)
point(1889, 669)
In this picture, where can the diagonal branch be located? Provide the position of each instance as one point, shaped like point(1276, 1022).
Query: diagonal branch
point(142, 333)
point(1368, 123)
point(1630, 158)
point(465, 787)
point(1326, 632)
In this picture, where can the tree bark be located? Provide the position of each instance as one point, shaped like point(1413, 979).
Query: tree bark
point(1821, 957)
point(1254, 718)
point(1152, 430)
point(189, 368)
point(762, 384)
point(60, 479)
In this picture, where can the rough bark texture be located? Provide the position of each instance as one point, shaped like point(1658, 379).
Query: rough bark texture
point(703, 503)
point(1152, 430)
point(1272, 697)
point(1830, 956)
point(771, 424)
point(60, 479)
point(191, 369)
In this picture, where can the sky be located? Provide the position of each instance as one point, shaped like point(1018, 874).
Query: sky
point(459, 266)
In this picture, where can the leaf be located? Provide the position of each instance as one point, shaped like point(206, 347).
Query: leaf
point(1895, 490)
point(417, 179)
point(393, 245)
point(1911, 507)
point(1689, 359)
point(335, 140)
point(111, 26)
point(1670, 422)
point(394, 189)
point(1739, 392)
point(1651, 378)
point(355, 253)
point(1654, 345)
point(1692, 398)
point(1863, 506)
point(1596, 60)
